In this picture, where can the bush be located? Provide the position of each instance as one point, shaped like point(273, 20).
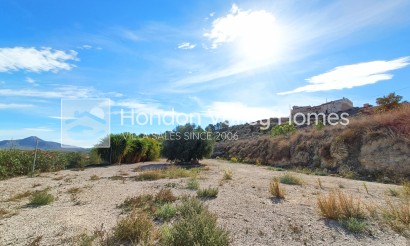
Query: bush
point(234, 160)
point(188, 147)
point(207, 192)
point(276, 189)
point(137, 228)
point(41, 198)
point(166, 212)
point(282, 129)
point(197, 226)
point(290, 179)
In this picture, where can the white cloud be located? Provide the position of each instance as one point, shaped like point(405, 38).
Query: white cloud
point(237, 112)
point(85, 47)
point(349, 76)
point(66, 91)
point(252, 28)
point(14, 106)
point(30, 80)
point(39, 129)
point(186, 46)
point(35, 60)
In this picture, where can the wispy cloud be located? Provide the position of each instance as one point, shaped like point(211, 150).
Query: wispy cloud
point(66, 91)
point(35, 60)
point(186, 46)
point(39, 129)
point(14, 106)
point(350, 76)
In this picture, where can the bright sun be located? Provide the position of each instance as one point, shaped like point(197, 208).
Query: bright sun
point(256, 34)
point(260, 36)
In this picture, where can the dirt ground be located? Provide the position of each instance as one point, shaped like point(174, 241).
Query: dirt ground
point(244, 206)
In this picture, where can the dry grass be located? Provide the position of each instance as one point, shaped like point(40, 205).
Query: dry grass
point(338, 205)
point(228, 174)
point(207, 192)
point(276, 189)
point(319, 182)
point(170, 173)
point(397, 215)
point(94, 178)
point(19, 196)
point(135, 229)
point(74, 190)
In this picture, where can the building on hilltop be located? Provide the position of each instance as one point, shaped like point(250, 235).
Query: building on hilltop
point(341, 105)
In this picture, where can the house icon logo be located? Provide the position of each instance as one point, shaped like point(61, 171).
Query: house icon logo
point(85, 123)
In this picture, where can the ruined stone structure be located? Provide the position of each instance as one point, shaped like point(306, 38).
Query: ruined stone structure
point(336, 106)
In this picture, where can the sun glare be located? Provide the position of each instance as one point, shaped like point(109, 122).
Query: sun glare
point(256, 35)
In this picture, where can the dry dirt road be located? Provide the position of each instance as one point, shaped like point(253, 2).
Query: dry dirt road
point(244, 206)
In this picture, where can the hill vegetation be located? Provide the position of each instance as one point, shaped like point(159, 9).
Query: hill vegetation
point(375, 146)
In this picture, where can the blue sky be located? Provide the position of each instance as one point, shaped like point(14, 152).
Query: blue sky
point(234, 60)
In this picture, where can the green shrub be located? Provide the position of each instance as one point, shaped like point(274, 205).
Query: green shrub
point(166, 212)
point(197, 226)
point(282, 129)
point(233, 160)
point(193, 184)
point(41, 198)
point(354, 225)
point(290, 179)
point(207, 192)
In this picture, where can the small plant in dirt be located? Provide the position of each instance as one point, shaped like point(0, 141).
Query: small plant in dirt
point(348, 211)
point(207, 192)
point(165, 196)
point(74, 190)
point(365, 187)
point(276, 189)
point(227, 175)
point(397, 215)
point(406, 188)
point(135, 229)
point(290, 179)
point(166, 212)
point(319, 182)
point(19, 196)
point(143, 202)
point(193, 184)
point(392, 192)
point(147, 202)
point(116, 177)
point(233, 160)
point(94, 178)
point(41, 198)
point(170, 173)
point(276, 169)
point(196, 226)
point(354, 225)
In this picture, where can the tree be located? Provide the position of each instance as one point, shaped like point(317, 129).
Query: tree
point(188, 144)
point(389, 102)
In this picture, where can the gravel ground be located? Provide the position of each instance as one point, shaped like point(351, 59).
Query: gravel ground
point(243, 206)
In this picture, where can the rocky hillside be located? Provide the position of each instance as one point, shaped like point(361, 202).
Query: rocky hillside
point(373, 146)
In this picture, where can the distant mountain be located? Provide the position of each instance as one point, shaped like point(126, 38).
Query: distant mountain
point(30, 143)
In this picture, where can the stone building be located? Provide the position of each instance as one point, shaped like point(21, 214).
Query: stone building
point(336, 106)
